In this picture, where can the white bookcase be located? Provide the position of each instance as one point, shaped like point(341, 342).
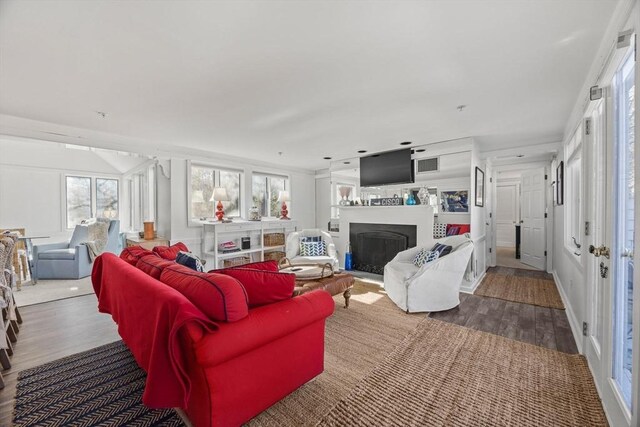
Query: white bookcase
point(214, 233)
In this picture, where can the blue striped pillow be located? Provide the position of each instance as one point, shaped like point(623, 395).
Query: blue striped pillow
point(313, 248)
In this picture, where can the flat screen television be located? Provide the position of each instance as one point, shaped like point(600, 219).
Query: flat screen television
point(391, 167)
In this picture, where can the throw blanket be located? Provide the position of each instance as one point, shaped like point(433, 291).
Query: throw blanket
point(156, 322)
point(98, 231)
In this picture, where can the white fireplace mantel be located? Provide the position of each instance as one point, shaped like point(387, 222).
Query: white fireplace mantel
point(420, 216)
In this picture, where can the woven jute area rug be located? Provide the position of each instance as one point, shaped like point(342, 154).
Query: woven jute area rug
point(523, 289)
point(448, 375)
point(357, 339)
point(102, 386)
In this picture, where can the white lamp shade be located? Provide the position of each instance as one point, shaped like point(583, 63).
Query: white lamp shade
point(219, 195)
point(283, 196)
point(197, 197)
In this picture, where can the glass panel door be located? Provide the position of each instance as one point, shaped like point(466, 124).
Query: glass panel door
point(624, 226)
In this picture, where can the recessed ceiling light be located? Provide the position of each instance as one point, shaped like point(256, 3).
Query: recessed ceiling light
point(362, 151)
point(327, 158)
point(406, 143)
point(421, 150)
point(347, 163)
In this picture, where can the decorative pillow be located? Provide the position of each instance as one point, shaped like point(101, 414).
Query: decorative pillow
point(442, 249)
point(189, 260)
point(311, 239)
point(218, 296)
point(439, 230)
point(424, 257)
point(313, 248)
point(133, 253)
point(153, 265)
point(462, 228)
point(263, 287)
point(170, 252)
point(453, 231)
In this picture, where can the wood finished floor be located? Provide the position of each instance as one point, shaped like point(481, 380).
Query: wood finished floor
point(546, 327)
point(51, 331)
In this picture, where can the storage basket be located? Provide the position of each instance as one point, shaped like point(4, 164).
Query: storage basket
point(274, 239)
point(274, 255)
point(233, 262)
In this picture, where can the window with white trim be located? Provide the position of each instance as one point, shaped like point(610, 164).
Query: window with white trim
point(265, 190)
point(203, 180)
point(86, 196)
point(574, 210)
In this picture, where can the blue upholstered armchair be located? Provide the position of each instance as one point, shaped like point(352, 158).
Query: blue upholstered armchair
point(70, 260)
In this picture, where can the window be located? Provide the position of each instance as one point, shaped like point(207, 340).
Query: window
point(265, 190)
point(573, 186)
point(203, 180)
point(81, 202)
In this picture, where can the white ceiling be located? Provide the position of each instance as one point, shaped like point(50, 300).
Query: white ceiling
point(308, 79)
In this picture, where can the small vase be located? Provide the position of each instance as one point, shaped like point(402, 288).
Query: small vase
point(411, 200)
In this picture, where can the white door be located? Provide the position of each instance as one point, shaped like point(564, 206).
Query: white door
point(507, 214)
point(611, 344)
point(532, 228)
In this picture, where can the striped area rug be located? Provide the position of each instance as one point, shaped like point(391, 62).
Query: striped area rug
point(99, 387)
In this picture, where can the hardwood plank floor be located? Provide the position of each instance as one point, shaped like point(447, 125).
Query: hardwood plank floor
point(51, 331)
point(546, 327)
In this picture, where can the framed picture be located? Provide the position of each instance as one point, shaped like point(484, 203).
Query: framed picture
point(479, 187)
point(560, 184)
point(454, 201)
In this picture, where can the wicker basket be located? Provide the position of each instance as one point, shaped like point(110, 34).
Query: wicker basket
point(274, 255)
point(274, 239)
point(233, 262)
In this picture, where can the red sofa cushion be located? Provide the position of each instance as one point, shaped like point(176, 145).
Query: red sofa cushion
point(218, 296)
point(462, 228)
point(260, 265)
point(263, 287)
point(133, 253)
point(170, 252)
point(153, 265)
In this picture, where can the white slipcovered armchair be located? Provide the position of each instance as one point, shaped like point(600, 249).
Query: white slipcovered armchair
point(293, 248)
point(436, 285)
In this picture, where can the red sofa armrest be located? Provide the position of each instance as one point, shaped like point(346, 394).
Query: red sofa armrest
point(263, 325)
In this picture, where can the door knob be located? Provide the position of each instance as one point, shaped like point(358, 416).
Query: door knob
point(602, 250)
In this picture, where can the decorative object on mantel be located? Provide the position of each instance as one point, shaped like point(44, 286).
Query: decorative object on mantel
point(423, 195)
point(345, 192)
point(283, 196)
point(149, 234)
point(387, 201)
point(411, 201)
point(220, 195)
point(479, 187)
point(455, 201)
point(254, 214)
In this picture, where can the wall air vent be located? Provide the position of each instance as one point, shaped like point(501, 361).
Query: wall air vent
point(427, 165)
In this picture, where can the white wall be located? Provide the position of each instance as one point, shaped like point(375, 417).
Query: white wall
point(32, 186)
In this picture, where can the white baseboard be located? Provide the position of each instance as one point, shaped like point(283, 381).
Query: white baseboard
point(576, 327)
point(470, 287)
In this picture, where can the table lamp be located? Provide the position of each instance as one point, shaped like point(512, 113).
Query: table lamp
point(283, 196)
point(220, 195)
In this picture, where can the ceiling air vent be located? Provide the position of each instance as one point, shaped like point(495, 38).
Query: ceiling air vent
point(427, 165)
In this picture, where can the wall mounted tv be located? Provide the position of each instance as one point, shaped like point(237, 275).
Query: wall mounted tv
point(391, 167)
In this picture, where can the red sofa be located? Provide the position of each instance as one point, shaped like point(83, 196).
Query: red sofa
point(221, 374)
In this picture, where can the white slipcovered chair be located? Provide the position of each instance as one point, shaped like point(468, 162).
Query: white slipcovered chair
point(293, 249)
point(436, 285)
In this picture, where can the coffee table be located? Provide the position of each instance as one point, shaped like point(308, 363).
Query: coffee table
point(310, 277)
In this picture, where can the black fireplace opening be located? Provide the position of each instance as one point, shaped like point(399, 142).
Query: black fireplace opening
point(374, 245)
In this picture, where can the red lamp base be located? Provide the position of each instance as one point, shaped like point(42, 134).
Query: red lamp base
point(220, 213)
point(284, 212)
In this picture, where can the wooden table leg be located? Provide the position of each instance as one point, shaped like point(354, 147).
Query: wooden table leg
point(346, 295)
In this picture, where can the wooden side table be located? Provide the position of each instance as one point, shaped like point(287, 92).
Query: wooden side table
point(147, 244)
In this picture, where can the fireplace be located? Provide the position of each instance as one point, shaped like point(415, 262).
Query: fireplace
point(374, 245)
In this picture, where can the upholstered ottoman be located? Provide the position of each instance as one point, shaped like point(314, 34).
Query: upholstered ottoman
point(336, 284)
